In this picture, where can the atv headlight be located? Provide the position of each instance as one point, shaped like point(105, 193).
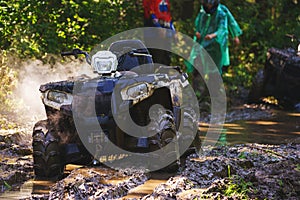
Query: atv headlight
point(134, 92)
point(104, 62)
point(102, 66)
point(56, 99)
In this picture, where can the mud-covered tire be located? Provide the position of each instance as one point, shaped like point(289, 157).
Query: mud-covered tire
point(256, 90)
point(168, 134)
point(47, 157)
point(189, 130)
point(167, 128)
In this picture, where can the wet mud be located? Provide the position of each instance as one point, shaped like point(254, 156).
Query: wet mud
point(257, 157)
point(15, 159)
point(251, 171)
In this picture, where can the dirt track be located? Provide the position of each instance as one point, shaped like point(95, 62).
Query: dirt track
point(252, 171)
point(224, 172)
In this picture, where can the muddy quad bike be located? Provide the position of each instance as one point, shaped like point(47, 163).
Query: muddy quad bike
point(68, 134)
point(280, 77)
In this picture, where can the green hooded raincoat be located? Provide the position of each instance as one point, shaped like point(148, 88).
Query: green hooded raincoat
point(217, 48)
point(233, 27)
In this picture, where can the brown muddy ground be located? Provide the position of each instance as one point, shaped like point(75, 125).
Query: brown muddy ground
point(258, 157)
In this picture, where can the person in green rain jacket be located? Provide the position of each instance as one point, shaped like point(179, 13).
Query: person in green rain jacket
point(234, 29)
point(211, 32)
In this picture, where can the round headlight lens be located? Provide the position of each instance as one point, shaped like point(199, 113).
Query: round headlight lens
point(103, 66)
point(137, 91)
point(57, 97)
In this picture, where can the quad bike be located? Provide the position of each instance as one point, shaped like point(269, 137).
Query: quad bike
point(56, 140)
point(280, 77)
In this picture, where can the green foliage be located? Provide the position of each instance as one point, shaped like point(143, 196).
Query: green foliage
point(238, 187)
point(265, 24)
point(30, 28)
point(228, 171)
point(242, 155)
point(297, 167)
point(33, 28)
point(7, 81)
point(7, 185)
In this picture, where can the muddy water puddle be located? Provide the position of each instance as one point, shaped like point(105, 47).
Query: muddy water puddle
point(144, 189)
point(155, 179)
point(41, 189)
point(28, 189)
point(277, 128)
point(34, 187)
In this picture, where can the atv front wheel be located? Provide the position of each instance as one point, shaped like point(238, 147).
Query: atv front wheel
point(47, 157)
point(189, 140)
point(190, 136)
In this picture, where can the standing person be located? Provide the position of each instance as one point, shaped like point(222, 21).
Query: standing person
point(211, 32)
point(157, 13)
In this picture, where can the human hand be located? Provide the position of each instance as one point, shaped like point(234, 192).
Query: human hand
point(210, 36)
point(155, 20)
point(198, 35)
point(236, 41)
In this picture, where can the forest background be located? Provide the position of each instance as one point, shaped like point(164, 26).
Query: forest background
point(31, 29)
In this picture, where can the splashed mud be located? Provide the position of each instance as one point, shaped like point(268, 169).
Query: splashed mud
point(15, 159)
point(97, 183)
point(253, 171)
point(242, 171)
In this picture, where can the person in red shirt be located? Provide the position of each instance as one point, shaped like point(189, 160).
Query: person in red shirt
point(157, 14)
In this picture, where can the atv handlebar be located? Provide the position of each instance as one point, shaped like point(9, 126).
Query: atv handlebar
point(133, 53)
point(76, 52)
point(293, 37)
point(129, 51)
